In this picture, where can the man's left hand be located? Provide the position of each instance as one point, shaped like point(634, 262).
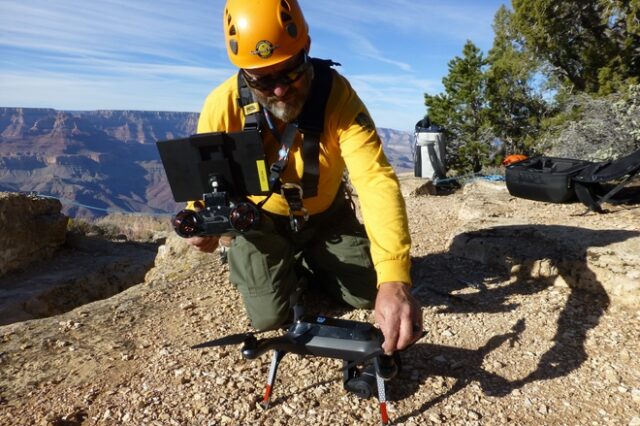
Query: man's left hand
point(399, 316)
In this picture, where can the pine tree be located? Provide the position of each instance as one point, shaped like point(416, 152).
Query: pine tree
point(514, 105)
point(461, 110)
point(591, 46)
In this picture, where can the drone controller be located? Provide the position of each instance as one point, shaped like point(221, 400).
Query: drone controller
point(220, 169)
point(218, 216)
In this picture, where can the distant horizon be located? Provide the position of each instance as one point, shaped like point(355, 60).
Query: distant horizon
point(143, 110)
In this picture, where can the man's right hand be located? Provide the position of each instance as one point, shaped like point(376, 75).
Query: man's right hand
point(204, 244)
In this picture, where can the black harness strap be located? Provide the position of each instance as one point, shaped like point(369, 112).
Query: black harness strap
point(276, 169)
point(310, 124)
point(250, 107)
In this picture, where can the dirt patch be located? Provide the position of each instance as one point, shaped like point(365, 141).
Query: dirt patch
point(502, 346)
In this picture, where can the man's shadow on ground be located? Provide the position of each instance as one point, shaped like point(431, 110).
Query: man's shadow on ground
point(580, 313)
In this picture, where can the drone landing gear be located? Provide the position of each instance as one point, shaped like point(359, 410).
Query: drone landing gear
point(275, 361)
point(363, 384)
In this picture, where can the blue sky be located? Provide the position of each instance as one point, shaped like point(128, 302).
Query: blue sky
point(167, 55)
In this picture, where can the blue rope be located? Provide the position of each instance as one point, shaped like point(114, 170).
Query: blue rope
point(470, 178)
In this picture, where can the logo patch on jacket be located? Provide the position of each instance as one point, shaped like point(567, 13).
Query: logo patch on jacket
point(365, 121)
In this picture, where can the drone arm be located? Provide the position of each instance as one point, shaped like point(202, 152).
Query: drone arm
point(283, 343)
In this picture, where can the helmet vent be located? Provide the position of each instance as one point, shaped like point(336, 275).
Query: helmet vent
point(233, 46)
point(228, 18)
point(285, 17)
point(285, 5)
point(232, 30)
point(292, 30)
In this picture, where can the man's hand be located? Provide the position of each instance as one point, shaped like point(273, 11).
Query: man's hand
point(204, 244)
point(399, 316)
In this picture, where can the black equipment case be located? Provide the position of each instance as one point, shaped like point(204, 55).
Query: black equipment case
point(543, 178)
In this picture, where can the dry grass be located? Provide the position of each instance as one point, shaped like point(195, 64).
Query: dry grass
point(118, 226)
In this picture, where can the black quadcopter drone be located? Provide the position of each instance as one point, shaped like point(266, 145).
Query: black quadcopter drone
point(354, 342)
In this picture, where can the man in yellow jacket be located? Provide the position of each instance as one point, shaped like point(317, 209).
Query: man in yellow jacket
point(269, 41)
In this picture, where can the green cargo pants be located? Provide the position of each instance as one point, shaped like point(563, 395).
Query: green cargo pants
point(265, 264)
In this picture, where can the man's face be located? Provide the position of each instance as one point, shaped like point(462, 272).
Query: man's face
point(282, 88)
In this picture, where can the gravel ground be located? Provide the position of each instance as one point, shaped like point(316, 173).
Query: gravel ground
point(498, 350)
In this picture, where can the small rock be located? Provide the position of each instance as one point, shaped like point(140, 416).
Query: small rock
point(288, 410)
point(435, 418)
point(611, 376)
point(473, 415)
point(187, 305)
point(458, 364)
point(107, 415)
point(447, 333)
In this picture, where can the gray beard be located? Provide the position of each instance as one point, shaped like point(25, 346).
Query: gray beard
point(290, 110)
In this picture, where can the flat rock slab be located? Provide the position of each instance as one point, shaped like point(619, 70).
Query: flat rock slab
point(556, 242)
point(596, 260)
point(92, 270)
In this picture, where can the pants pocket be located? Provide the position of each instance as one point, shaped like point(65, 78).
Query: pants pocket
point(249, 270)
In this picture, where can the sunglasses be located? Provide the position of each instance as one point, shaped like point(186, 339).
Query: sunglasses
point(283, 78)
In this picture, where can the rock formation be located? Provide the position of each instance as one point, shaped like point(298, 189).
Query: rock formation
point(31, 229)
point(596, 253)
point(105, 161)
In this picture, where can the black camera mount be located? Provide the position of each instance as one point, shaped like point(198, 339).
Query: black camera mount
point(216, 215)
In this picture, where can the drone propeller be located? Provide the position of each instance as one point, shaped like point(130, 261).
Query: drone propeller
point(233, 339)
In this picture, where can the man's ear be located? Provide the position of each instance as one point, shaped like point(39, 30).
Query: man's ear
point(307, 47)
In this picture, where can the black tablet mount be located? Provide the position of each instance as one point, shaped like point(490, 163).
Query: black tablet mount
point(218, 170)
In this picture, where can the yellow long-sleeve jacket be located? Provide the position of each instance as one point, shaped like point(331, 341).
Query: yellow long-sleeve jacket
point(349, 139)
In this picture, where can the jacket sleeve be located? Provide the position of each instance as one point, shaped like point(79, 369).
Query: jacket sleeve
point(381, 201)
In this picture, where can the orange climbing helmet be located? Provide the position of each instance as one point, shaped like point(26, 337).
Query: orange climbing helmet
point(260, 33)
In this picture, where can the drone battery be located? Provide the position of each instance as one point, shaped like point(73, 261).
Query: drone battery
point(338, 338)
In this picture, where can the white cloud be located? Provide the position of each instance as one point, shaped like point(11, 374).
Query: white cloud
point(168, 54)
point(81, 92)
point(452, 19)
point(109, 28)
